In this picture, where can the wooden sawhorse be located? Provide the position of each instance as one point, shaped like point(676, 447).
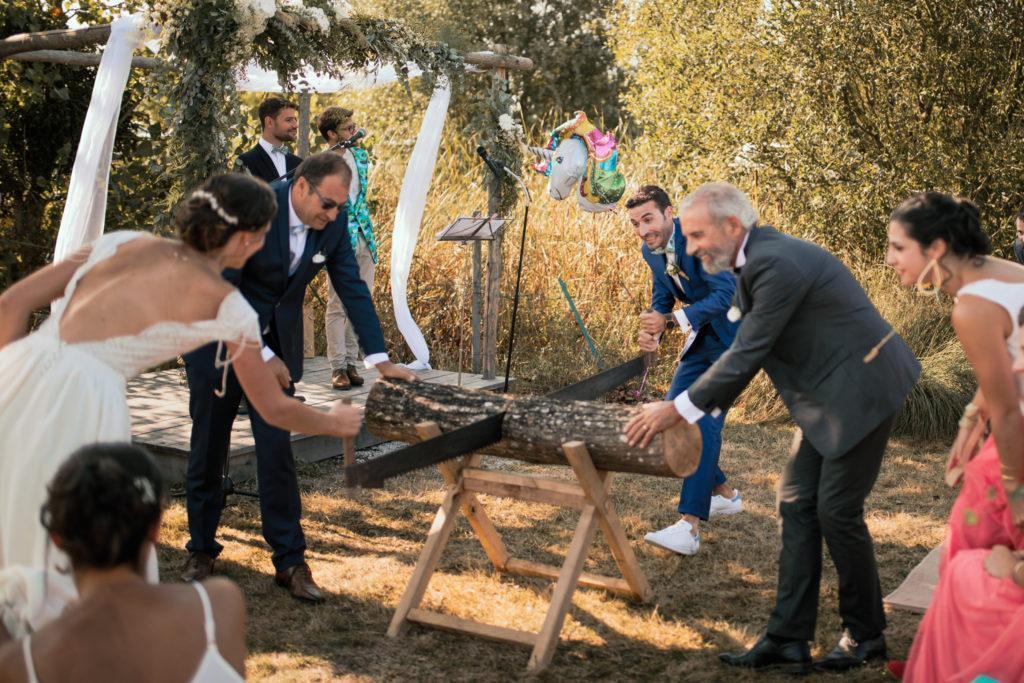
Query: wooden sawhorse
point(589, 494)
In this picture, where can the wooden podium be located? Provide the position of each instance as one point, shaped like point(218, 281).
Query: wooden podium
point(589, 494)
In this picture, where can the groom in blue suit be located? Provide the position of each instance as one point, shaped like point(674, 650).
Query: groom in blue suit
point(308, 233)
point(705, 300)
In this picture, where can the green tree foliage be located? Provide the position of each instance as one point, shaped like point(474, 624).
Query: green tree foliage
point(832, 112)
point(42, 109)
point(568, 41)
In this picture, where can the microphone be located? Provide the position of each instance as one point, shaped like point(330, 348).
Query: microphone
point(357, 136)
point(495, 166)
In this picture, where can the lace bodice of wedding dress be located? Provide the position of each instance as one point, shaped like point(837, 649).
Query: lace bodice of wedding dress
point(131, 354)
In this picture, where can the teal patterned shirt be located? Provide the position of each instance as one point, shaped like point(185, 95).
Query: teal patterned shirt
point(359, 222)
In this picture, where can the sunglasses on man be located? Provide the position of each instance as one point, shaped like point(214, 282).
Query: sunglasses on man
point(325, 203)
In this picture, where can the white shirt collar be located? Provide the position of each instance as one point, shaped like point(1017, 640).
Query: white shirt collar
point(267, 146)
point(293, 218)
point(741, 255)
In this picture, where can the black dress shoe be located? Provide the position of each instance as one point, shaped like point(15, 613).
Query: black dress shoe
point(791, 656)
point(850, 653)
point(197, 568)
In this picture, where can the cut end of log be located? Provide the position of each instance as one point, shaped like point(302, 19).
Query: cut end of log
point(681, 446)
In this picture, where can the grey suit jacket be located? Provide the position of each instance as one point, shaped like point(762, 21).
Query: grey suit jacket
point(809, 324)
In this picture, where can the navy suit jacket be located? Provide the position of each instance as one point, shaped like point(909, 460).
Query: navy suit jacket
point(278, 298)
point(259, 163)
point(707, 297)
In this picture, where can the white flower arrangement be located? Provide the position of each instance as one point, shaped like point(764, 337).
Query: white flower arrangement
point(252, 17)
point(341, 10)
point(506, 123)
point(320, 17)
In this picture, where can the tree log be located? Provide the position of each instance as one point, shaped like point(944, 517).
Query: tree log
point(59, 39)
point(79, 58)
point(535, 427)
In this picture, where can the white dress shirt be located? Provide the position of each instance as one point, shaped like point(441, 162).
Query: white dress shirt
point(684, 406)
point(353, 187)
point(277, 157)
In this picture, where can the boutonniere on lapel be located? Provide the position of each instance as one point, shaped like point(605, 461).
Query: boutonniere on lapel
point(734, 313)
point(319, 257)
point(672, 268)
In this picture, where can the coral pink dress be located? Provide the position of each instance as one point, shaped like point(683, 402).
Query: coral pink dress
point(975, 623)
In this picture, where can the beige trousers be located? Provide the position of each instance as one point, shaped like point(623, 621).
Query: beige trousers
point(342, 345)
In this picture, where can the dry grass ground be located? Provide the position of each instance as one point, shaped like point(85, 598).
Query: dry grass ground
point(363, 551)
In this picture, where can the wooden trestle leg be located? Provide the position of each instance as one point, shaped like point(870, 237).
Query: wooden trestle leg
point(589, 494)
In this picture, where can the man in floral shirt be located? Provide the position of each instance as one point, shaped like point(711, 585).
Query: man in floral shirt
point(704, 318)
point(336, 124)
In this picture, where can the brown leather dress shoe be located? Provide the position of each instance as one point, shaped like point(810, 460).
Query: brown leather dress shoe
point(340, 380)
point(298, 579)
point(353, 376)
point(197, 568)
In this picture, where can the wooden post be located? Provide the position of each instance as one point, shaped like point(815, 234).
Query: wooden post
point(494, 263)
point(477, 298)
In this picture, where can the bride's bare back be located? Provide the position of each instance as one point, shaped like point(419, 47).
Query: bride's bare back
point(146, 281)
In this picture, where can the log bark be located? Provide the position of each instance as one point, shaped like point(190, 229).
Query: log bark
point(535, 427)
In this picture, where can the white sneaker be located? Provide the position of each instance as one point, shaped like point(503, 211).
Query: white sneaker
point(721, 506)
point(678, 538)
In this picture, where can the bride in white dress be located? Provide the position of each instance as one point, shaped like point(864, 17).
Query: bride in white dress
point(131, 302)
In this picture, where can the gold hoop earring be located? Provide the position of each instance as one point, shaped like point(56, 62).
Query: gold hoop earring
point(931, 288)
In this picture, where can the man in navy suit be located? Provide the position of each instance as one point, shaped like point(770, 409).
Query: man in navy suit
point(705, 300)
point(308, 233)
point(270, 159)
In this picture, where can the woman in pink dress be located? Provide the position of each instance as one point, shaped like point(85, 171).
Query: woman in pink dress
point(936, 243)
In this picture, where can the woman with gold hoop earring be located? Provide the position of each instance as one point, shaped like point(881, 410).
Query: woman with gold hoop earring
point(936, 244)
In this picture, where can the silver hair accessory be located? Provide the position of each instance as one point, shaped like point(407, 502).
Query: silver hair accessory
point(145, 489)
point(215, 205)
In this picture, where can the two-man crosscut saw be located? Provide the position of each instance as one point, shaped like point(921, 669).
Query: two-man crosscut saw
point(478, 434)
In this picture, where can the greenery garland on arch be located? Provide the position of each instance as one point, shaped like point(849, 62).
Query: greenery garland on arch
point(208, 42)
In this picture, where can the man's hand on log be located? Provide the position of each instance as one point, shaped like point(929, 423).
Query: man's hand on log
point(392, 371)
point(652, 322)
point(347, 420)
point(648, 342)
point(651, 419)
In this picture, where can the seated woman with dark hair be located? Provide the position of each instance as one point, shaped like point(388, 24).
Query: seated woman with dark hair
point(103, 511)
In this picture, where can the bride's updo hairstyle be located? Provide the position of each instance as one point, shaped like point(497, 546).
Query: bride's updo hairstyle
point(222, 206)
point(928, 216)
point(103, 503)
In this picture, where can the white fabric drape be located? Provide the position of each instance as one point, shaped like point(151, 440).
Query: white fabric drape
point(86, 205)
point(409, 216)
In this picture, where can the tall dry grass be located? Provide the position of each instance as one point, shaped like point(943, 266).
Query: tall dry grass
point(598, 256)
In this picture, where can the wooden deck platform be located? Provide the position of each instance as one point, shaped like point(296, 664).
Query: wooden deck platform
point(160, 420)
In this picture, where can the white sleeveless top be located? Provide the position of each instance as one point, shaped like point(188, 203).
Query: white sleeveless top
point(1009, 295)
point(213, 668)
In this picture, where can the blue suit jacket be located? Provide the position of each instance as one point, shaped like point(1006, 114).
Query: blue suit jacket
point(278, 299)
point(708, 297)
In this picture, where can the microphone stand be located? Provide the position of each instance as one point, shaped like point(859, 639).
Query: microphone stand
point(344, 144)
point(519, 267)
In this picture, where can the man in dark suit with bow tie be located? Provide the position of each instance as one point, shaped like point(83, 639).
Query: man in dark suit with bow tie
point(308, 233)
point(270, 159)
point(705, 299)
point(843, 375)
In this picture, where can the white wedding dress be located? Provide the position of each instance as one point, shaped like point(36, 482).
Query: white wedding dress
point(56, 397)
